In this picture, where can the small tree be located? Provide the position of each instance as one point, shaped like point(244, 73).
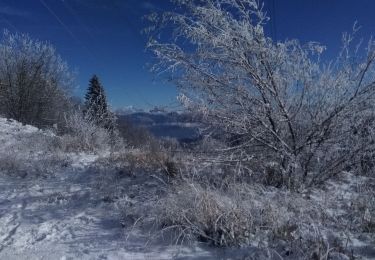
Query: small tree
point(96, 108)
point(279, 101)
point(34, 81)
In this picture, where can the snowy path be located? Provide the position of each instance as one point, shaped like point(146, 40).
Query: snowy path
point(63, 213)
point(66, 217)
point(59, 217)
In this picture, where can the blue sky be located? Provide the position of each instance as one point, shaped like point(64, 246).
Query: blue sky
point(104, 37)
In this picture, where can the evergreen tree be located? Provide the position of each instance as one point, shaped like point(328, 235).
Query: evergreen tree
point(96, 107)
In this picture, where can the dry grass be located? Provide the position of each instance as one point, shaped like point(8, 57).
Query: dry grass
point(240, 215)
point(131, 161)
point(29, 162)
point(193, 212)
point(32, 153)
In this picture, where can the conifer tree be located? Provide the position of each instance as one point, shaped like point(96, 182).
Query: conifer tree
point(96, 108)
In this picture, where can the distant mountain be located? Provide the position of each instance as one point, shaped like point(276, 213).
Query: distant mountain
point(164, 124)
point(127, 110)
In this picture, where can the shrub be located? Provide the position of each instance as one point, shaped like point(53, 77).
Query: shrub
point(361, 210)
point(34, 81)
point(207, 215)
point(249, 216)
point(81, 134)
point(274, 101)
point(32, 154)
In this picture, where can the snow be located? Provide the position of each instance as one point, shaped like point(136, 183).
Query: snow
point(63, 215)
point(74, 211)
point(62, 219)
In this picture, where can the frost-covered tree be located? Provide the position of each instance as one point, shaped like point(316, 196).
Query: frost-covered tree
point(285, 108)
point(96, 108)
point(34, 80)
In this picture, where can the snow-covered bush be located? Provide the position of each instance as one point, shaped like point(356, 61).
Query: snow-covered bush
point(28, 165)
point(28, 151)
point(361, 209)
point(277, 101)
point(243, 216)
point(206, 215)
point(83, 134)
point(34, 81)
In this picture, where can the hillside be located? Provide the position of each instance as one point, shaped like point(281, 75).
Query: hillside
point(62, 205)
point(56, 205)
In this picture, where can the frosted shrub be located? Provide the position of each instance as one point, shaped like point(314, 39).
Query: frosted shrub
point(276, 101)
point(193, 212)
point(244, 215)
point(82, 134)
point(32, 154)
point(34, 81)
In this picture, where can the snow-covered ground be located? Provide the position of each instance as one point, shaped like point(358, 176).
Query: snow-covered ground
point(56, 205)
point(65, 217)
point(65, 214)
